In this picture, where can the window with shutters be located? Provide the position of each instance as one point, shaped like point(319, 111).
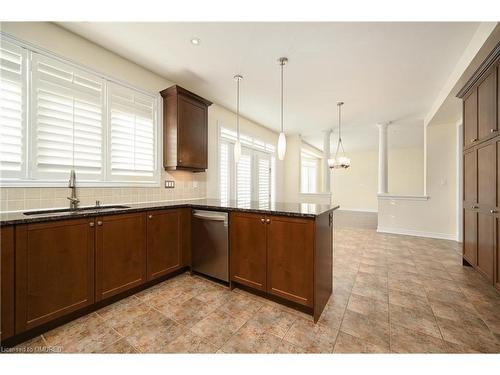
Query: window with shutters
point(67, 121)
point(12, 110)
point(56, 116)
point(253, 177)
point(309, 167)
point(131, 134)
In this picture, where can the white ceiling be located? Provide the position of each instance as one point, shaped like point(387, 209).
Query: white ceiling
point(382, 71)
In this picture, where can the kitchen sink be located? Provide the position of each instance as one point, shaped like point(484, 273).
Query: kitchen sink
point(80, 209)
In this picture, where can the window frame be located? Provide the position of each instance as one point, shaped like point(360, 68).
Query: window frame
point(28, 161)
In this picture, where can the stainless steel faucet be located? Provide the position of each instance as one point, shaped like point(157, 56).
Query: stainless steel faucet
point(73, 205)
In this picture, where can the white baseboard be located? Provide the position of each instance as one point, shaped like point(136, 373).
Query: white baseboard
point(417, 233)
point(358, 209)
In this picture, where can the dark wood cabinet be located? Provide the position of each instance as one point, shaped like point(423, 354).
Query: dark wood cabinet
point(470, 236)
point(486, 244)
point(7, 280)
point(482, 168)
point(54, 270)
point(163, 243)
point(290, 255)
point(497, 251)
point(185, 130)
point(487, 106)
point(287, 257)
point(486, 176)
point(248, 250)
point(470, 118)
point(120, 253)
point(470, 177)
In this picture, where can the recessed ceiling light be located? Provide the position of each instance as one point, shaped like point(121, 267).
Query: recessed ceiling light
point(195, 41)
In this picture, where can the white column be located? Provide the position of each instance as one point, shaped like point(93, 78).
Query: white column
point(326, 156)
point(382, 158)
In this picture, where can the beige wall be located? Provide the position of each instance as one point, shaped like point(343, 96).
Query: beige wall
point(188, 185)
point(355, 188)
point(406, 171)
point(437, 216)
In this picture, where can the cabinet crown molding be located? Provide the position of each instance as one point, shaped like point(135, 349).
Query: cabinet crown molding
point(481, 71)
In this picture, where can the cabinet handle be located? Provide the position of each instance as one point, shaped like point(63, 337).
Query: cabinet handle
point(99, 223)
point(150, 216)
point(494, 211)
point(91, 224)
point(493, 130)
point(474, 206)
point(268, 221)
point(262, 220)
point(473, 140)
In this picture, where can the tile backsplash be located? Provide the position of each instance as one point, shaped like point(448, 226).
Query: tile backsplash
point(187, 186)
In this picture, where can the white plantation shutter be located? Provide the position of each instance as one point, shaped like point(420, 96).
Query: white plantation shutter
point(132, 134)
point(12, 110)
point(244, 178)
point(224, 172)
point(263, 179)
point(254, 177)
point(67, 121)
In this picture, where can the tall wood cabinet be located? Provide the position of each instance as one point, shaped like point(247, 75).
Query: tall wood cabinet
point(185, 130)
point(481, 163)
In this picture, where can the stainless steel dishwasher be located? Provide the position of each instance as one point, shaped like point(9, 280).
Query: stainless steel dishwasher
point(209, 243)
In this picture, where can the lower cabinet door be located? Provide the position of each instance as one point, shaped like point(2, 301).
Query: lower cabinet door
point(7, 282)
point(486, 244)
point(290, 256)
point(248, 249)
point(497, 251)
point(163, 242)
point(470, 236)
point(120, 253)
point(54, 270)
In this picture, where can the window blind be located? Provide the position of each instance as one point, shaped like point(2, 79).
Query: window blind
point(132, 134)
point(244, 178)
point(224, 172)
point(67, 121)
point(263, 179)
point(12, 110)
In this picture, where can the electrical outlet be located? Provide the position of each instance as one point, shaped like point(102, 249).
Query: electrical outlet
point(169, 184)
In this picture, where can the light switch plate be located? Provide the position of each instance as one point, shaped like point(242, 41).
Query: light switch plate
point(169, 184)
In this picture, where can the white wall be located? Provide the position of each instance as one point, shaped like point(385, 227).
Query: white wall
point(77, 49)
point(437, 216)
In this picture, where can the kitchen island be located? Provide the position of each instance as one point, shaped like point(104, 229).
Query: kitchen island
point(60, 265)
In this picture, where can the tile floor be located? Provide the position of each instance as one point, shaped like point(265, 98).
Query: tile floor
point(392, 293)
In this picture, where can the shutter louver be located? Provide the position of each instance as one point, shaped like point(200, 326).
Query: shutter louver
point(244, 179)
point(224, 174)
point(12, 110)
point(132, 134)
point(264, 180)
point(68, 121)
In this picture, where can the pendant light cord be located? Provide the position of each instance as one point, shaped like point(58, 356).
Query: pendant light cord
point(282, 64)
point(238, 107)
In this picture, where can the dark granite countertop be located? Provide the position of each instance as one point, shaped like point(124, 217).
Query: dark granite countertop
point(306, 210)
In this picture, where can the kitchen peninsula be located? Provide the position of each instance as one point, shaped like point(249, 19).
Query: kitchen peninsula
point(59, 264)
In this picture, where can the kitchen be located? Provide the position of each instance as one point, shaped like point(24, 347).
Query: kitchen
point(167, 203)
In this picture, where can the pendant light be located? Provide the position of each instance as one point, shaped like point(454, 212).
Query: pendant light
point(237, 145)
point(282, 139)
point(340, 160)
